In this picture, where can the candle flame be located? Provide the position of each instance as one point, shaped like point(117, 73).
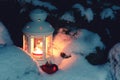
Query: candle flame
point(37, 51)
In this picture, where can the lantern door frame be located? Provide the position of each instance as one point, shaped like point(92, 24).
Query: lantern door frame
point(29, 45)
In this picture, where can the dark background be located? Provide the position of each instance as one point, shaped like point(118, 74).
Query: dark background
point(9, 15)
point(14, 21)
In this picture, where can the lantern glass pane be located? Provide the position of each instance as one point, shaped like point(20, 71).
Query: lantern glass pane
point(49, 46)
point(38, 48)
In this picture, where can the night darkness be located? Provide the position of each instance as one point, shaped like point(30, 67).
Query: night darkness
point(14, 21)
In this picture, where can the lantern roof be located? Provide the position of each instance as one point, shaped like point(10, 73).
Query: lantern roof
point(38, 15)
point(38, 28)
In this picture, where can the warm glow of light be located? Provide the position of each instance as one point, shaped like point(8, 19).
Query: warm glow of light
point(38, 47)
point(37, 54)
point(37, 50)
point(67, 63)
point(61, 41)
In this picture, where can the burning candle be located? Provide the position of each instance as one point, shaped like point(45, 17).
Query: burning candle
point(38, 53)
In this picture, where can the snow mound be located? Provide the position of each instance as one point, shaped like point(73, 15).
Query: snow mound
point(85, 43)
point(114, 57)
point(16, 65)
point(80, 69)
point(4, 36)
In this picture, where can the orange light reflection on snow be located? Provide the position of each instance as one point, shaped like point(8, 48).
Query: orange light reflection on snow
point(67, 63)
point(60, 42)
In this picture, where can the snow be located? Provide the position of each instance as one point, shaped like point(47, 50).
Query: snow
point(84, 42)
point(80, 69)
point(14, 61)
point(88, 13)
point(40, 3)
point(89, 1)
point(43, 4)
point(15, 64)
point(80, 8)
point(4, 36)
point(107, 13)
point(68, 16)
point(114, 57)
point(115, 7)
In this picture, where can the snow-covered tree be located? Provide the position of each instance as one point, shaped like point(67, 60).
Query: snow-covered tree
point(68, 16)
point(87, 13)
point(80, 8)
point(114, 57)
point(4, 36)
point(37, 3)
point(107, 13)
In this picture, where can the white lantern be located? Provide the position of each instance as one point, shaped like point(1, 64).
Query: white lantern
point(37, 37)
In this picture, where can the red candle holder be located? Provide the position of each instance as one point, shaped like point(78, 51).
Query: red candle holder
point(49, 68)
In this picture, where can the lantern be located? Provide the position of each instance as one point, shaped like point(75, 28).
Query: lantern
point(37, 36)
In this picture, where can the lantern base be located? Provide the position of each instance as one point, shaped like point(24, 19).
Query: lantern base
point(37, 56)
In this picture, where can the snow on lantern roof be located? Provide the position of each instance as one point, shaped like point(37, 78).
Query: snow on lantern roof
point(38, 15)
point(68, 16)
point(38, 28)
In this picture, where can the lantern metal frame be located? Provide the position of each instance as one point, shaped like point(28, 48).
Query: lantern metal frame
point(38, 28)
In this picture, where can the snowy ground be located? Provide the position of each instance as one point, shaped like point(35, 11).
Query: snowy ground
point(79, 70)
point(16, 65)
